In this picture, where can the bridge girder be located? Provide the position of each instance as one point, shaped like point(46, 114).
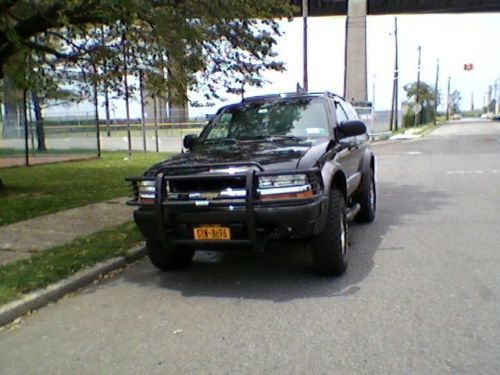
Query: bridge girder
point(379, 7)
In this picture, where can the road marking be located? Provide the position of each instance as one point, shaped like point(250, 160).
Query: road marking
point(477, 171)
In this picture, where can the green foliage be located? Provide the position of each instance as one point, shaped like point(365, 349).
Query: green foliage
point(455, 98)
point(426, 94)
point(60, 262)
point(39, 190)
point(202, 45)
point(409, 119)
point(426, 98)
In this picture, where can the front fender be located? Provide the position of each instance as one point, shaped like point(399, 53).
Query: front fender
point(332, 175)
point(366, 163)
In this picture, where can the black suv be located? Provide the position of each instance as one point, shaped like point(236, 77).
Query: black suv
point(287, 166)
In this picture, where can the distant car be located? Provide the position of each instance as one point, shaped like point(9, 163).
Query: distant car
point(496, 118)
point(488, 115)
point(456, 116)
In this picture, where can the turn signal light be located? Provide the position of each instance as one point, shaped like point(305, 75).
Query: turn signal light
point(299, 195)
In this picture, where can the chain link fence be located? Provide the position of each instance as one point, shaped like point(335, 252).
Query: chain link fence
point(69, 138)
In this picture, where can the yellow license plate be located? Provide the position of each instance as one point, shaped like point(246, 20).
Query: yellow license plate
point(207, 232)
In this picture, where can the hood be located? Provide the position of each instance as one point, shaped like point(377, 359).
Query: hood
point(272, 155)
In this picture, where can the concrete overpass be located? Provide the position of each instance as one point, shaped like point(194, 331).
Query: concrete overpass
point(355, 78)
point(379, 7)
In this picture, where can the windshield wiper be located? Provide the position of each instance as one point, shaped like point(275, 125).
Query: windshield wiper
point(272, 138)
point(220, 140)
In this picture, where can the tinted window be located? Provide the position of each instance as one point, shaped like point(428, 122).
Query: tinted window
point(301, 117)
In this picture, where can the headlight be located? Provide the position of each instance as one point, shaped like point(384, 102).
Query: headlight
point(285, 187)
point(266, 182)
point(147, 190)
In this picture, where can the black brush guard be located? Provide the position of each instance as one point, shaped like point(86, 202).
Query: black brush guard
point(250, 201)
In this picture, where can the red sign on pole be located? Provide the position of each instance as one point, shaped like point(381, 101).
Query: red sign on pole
point(468, 67)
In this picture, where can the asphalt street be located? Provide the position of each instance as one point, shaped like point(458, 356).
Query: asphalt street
point(421, 295)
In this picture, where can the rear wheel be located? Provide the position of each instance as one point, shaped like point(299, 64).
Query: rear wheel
point(168, 258)
point(329, 249)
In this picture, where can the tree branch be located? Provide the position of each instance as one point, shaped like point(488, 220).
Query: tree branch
point(7, 4)
point(47, 49)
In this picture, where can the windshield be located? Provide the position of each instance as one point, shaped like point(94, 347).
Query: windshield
point(300, 117)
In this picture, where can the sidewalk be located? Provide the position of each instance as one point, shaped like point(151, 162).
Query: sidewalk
point(20, 161)
point(23, 239)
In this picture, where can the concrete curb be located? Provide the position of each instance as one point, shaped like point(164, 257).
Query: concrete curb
point(53, 292)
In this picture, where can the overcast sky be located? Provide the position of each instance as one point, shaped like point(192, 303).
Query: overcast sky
point(455, 39)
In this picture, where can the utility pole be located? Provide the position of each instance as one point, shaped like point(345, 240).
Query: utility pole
point(497, 96)
point(396, 75)
point(417, 96)
point(305, 12)
point(448, 100)
point(490, 90)
point(436, 94)
point(472, 101)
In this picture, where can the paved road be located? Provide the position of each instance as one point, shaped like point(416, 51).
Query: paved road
point(421, 295)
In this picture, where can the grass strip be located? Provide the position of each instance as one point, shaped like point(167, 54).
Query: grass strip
point(426, 129)
point(33, 191)
point(55, 264)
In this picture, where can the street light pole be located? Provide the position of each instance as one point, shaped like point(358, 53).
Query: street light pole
point(305, 11)
point(417, 97)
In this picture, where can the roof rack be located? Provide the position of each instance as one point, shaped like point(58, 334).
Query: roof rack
point(289, 95)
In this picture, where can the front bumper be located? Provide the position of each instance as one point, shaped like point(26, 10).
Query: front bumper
point(251, 221)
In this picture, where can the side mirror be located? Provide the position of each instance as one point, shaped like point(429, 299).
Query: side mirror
point(189, 141)
point(350, 128)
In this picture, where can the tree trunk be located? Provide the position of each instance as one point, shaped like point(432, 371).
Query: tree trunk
point(40, 130)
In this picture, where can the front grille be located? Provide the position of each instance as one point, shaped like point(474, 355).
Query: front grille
point(206, 185)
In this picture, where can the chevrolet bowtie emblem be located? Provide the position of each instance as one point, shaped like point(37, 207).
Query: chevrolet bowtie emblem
point(209, 195)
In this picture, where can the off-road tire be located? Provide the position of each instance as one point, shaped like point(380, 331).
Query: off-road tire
point(329, 249)
point(367, 199)
point(168, 258)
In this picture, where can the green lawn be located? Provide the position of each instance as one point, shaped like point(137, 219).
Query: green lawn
point(33, 191)
point(60, 262)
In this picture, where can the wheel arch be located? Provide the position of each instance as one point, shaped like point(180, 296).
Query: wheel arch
point(334, 177)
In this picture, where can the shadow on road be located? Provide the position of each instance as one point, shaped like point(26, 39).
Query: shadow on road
point(285, 272)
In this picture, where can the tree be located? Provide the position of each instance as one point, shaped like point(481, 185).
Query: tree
point(455, 98)
point(427, 97)
point(208, 44)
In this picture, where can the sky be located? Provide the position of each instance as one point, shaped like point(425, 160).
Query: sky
point(454, 39)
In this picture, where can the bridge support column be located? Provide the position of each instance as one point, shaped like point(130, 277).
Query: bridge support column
point(355, 75)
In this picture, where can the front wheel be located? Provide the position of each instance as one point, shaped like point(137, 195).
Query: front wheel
point(367, 199)
point(329, 249)
point(168, 258)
